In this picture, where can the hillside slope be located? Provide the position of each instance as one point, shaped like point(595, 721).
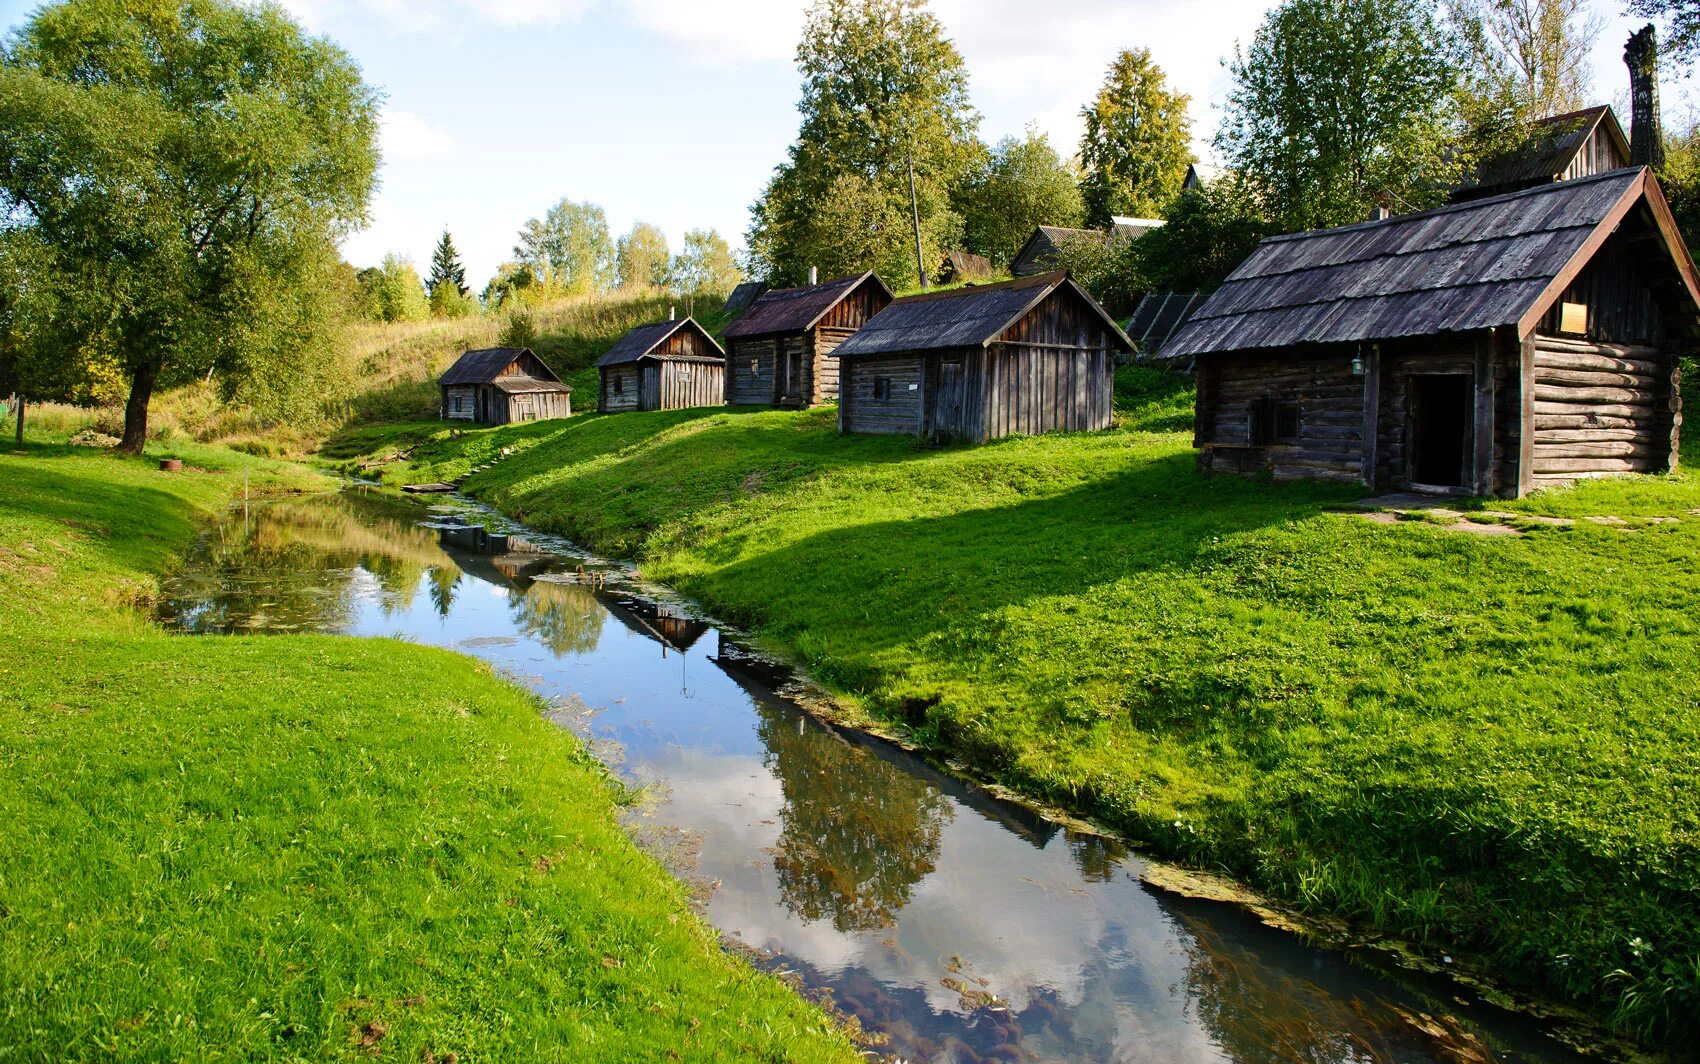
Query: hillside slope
point(1475, 740)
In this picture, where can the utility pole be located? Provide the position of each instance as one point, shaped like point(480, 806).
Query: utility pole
point(915, 210)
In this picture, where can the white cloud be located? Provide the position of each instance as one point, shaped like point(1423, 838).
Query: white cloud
point(723, 32)
point(407, 138)
point(438, 16)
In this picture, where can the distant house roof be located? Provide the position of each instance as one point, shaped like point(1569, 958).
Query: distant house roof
point(972, 316)
point(1486, 263)
point(1200, 174)
point(1546, 153)
point(1124, 226)
point(964, 265)
point(1158, 316)
point(483, 366)
point(642, 341)
point(784, 310)
point(1044, 245)
point(743, 295)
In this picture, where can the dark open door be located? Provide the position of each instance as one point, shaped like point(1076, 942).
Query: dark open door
point(790, 370)
point(1442, 430)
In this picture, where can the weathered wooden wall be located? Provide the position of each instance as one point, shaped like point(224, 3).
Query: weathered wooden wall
point(619, 390)
point(460, 402)
point(530, 406)
point(902, 411)
point(1602, 408)
point(750, 371)
point(1331, 414)
point(681, 385)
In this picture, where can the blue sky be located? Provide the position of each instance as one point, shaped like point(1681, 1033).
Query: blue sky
point(675, 111)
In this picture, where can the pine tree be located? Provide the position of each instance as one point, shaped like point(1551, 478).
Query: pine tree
point(1137, 144)
point(446, 268)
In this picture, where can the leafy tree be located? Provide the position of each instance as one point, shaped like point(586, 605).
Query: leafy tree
point(882, 87)
point(1339, 106)
point(520, 330)
point(447, 301)
point(642, 257)
point(569, 248)
point(1138, 141)
point(511, 284)
point(1210, 230)
point(1110, 268)
point(194, 162)
point(398, 294)
point(446, 270)
point(1681, 39)
point(1023, 184)
point(704, 265)
point(1526, 60)
point(1680, 179)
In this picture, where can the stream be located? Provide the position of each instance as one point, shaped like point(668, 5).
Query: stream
point(962, 927)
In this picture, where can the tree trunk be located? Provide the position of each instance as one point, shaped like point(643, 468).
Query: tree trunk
point(136, 410)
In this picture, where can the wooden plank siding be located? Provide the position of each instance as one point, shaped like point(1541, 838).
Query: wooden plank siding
point(682, 385)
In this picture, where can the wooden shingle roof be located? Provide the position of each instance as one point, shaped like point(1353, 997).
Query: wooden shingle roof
point(484, 365)
point(1546, 153)
point(972, 316)
point(642, 341)
point(785, 310)
point(1482, 264)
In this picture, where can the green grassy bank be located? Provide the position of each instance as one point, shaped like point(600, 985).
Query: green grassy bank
point(1487, 742)
point(303, 847)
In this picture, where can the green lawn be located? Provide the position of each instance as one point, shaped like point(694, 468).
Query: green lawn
point(1486, 743)
point(306, 847)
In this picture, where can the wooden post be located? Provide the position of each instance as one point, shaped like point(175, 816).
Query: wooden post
point(1526, 430)
point(1372, 413)
point(1482, 464)
point(20, 421)
point(844, 394)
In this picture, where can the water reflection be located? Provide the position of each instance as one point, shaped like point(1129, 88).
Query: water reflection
point(963, 928)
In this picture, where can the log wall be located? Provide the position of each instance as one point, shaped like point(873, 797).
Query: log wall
point(619, 389)
point(1330, 444)
point(750, 372)
point(901, 411)
point(1602, 408)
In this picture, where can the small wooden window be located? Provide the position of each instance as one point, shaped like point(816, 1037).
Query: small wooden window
point(882, 387)
point(1272, 420)
point(755, 365)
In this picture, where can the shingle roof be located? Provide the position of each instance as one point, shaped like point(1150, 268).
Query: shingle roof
point(960, 317)
point(1158, 316)
point(743, 295)
point(519, 385)
point(1545, 154)
point(783, 310)
point(642, 341)
point(482, 366)
point(1474, 265)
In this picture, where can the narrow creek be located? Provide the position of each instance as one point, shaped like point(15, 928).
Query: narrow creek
point(962, 927)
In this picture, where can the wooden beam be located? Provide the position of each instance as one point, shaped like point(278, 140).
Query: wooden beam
point(1482, 465)
point(1526, 426)
point(1372, 413)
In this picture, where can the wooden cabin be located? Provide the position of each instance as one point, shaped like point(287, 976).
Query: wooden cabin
point(665, 365)
point(499, 385)
point(1043, 251)
point(1561, 148)
point(1036, 354)
point(959, 266)
point(1488, 347)
point(779, 352)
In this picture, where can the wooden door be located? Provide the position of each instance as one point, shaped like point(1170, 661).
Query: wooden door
point(949, 396)
point(791, 372)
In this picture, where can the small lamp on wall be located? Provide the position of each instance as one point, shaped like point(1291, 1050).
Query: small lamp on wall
point(1359, 365)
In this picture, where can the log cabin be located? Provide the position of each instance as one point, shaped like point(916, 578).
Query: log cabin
point(958, 267)
point(1561, 148)
point(1488, 347)
point(665, 365)
point(779, 352)
point(1032, 355)
point(1043, 251)
point(498, 385)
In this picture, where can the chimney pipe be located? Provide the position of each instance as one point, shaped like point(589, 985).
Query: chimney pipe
point(1646, 137)
point(673, 312)
point(814, 276)
point(1380, 214)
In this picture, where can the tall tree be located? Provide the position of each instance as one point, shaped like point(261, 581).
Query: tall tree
point(397, 293)
point(446, 268)
point(569, 248)
point(884, 92)
point(195, 161)
point(1526, 60)
point(1340, 106)
point(643, 258)
point(705, 265)
point(1022, 184)
point(1138, 141)
point(1681, 18)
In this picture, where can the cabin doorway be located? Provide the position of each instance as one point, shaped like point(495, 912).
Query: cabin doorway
point(1442, 430)
point(790, 374)
point(948, 399)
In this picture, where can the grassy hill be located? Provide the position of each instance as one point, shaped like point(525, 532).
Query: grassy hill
point(1479, 742)
point(309, 847)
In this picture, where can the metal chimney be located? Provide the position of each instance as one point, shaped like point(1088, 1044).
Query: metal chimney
point(814, 276)
point(673, 313)
point(1646, 136)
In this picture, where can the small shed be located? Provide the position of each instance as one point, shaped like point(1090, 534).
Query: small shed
point(1036, 354)
point(1043, 250)
point(779, 352)
point(1561, 148)
point(1488, 347)
point(958, 266)
point(665, 365)
point(497, 385)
